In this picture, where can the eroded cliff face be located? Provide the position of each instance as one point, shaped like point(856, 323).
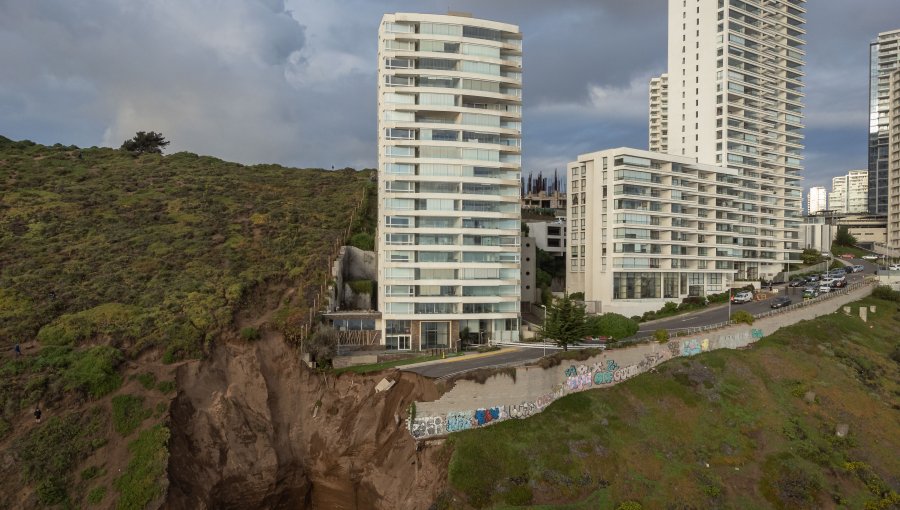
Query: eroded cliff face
point(252, 427)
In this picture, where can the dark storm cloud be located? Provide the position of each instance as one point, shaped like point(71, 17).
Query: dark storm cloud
point(294, 82)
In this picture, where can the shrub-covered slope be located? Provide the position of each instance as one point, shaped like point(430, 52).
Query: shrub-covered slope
point(114, 266)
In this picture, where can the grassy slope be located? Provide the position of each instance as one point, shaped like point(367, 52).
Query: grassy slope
point(111, 260)
point(742, 413)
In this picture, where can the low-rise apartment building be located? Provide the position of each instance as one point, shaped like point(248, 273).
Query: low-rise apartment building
point(646, 228)
point(549, 236)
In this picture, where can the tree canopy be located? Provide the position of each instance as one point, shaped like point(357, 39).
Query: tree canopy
point(844, 237)
point(143, 142)
point(564, 323)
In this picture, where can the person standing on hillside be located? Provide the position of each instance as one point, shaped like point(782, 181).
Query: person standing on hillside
point(18, 349)
point(37, 414)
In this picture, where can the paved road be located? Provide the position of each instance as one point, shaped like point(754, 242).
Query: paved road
point(719, 313)
point(515, 356)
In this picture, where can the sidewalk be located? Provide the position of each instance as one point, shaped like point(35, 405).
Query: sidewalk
point(463, 357)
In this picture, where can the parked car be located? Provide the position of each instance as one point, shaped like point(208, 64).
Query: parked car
point(828, 280)
point(812, 278)
point(797, 283)
point(859, 268)
point(744, 296)
point(894, 267)
point(810, 293)
point(847, 256)
point(839, 283)
point(781, 302)
point(824, 288)
point(870, 257)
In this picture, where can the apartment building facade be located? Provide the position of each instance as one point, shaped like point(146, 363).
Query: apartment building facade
point(449, 142)
point(884, 59)
point(817, 200)
point(659, 114)
point(850, 193)
point(735, 87)
point(647, 227)
point(893, 216)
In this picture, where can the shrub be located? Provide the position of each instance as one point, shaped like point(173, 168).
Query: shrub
point(612, 324)
point(96, 495)
point(886, 293)
point(128, 413)
point(147, 380)
point(629, 505)
point(742, 317)
point(692, 303)
point(322, 345)
point(577, 296)
point(93, 372)
point(661, 336)
point(166, 387)
point(363, 241)
point(92, 472)
point(718, 298)
point(250, 334)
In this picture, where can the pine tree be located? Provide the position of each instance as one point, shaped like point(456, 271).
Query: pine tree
point(564, 323)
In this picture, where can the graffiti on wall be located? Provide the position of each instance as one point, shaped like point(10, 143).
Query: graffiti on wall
point(601, 373)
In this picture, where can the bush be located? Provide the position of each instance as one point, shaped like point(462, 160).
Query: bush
point(692, 303)
point(577, 296)
point(661, 336)
point(742, 317)
point(92, 472)
point(96, 495)
point(142, 481)
point(322, 345)
point(147, 380)
point(612, 324)
point(93, 372)
point(363, 241)
point(166, 387)
point(128, 412)
point(361, 286)
point(718, 298)
point(886, 293)
point(250, 334)
point(629, 505)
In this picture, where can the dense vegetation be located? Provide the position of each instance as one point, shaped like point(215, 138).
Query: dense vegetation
point(110, 258)
point(758, 428)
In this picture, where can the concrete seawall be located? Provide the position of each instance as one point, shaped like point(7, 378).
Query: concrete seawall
point(471, 404)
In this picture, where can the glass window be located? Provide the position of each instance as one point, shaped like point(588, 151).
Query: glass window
point(435, 335)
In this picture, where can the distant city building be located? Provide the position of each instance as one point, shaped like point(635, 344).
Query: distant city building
point(817, 233)
point(555, 200)
point(849, 193)
point(648, 227)
point(659, 113)
point(884, 58)
point(893, 217)
point(817, 200)
point(549, 236)
point(449, 151)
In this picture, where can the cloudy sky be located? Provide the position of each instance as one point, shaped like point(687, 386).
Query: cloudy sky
point(293, 81)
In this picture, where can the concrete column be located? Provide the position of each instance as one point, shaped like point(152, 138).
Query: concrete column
point(862, 313)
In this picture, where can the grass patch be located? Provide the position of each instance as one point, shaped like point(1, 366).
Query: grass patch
point(144, 477)
point(147, 380)
point(95, 497)
point(166, 387)
point(128, 413)
point(679, 433)
point(50, 451)
point(837, 250)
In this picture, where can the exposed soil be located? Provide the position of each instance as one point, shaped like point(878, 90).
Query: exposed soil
point(253, 427)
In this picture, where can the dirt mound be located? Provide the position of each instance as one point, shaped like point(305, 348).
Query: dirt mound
point(252, 427)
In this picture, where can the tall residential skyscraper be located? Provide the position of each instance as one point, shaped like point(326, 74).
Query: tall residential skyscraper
point(659, 114)
point(817, 200)
point(735, 97)
point(449, 167)
point(884, 57)
point(893, 233)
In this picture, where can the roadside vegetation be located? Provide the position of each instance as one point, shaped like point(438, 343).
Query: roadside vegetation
point(115, 260)
point(806, 418)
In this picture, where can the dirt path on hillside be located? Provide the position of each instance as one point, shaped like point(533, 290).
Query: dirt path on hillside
point(252, 427)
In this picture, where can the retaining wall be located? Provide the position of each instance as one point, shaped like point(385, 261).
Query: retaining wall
point(470, 404)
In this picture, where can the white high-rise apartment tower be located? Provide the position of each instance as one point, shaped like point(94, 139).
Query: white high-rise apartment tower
point(735, 97)
point(449, 167)
point(817, 200)
point(893, 233)
point(837, 198)
point(884, 58)
point(659, 114)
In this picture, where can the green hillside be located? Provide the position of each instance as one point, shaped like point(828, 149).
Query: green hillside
point(727, 429)
point(113, 267)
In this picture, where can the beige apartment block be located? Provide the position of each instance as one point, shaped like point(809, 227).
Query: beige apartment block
point(817, 200)
point(659, 113)
point(893, 216)
point(647, 228)
point(449, 167)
